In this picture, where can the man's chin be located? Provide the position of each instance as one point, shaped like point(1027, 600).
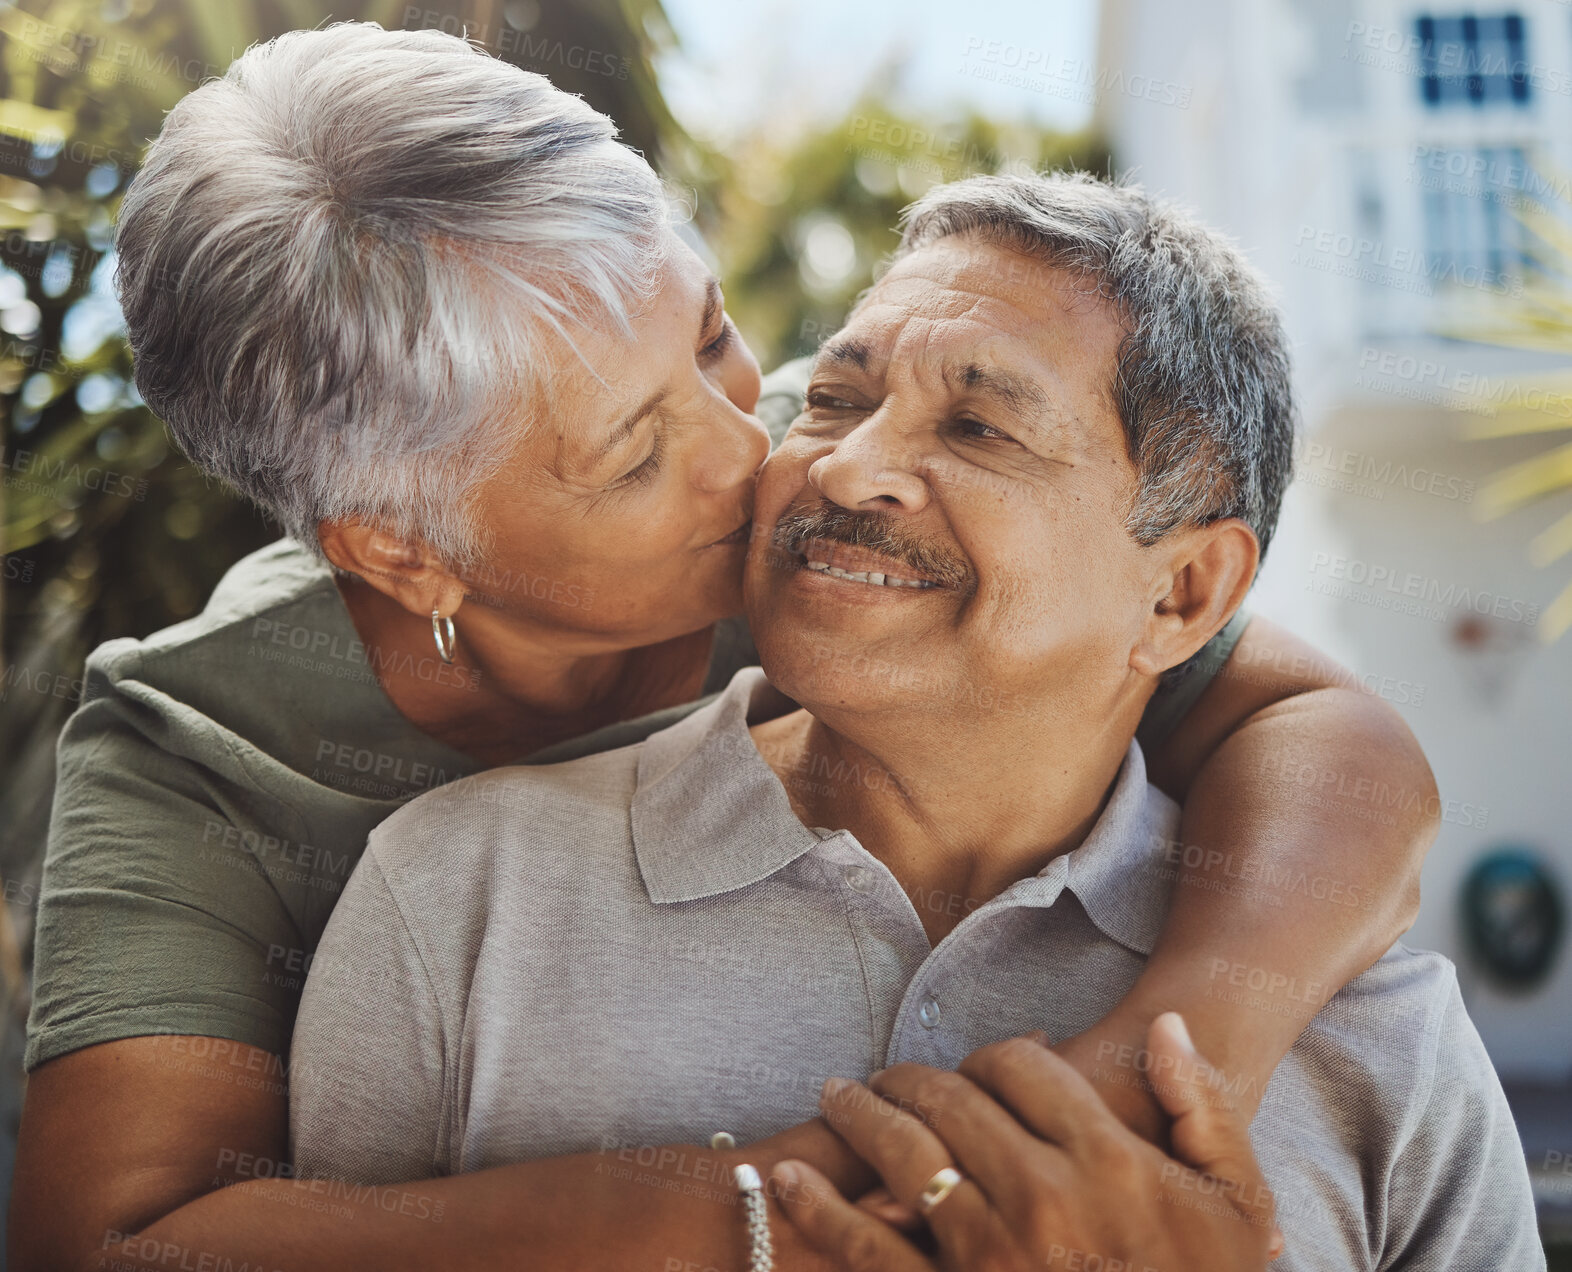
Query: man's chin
point(830, 671)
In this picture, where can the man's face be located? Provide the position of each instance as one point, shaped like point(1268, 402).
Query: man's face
point(960, 442)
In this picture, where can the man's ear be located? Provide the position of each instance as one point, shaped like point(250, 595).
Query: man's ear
point(409, 572)
point(1207, 571)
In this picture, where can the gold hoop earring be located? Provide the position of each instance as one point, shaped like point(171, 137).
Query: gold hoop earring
point(445, 649)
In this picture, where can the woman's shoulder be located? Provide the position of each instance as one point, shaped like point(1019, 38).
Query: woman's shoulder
point(283, 576)
point(781, 396)
point(279, 576)
point(272, 653)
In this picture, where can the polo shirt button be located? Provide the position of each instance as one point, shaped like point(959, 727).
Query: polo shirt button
point(928, 1013)
point(859, 878)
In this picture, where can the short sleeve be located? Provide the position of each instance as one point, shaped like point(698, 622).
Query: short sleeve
point(781, 397)
point(367, 1074)
point(153, 917)
point(1460, 1195)
point(1182, 688)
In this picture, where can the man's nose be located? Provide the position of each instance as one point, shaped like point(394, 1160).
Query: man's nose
point(872, 468)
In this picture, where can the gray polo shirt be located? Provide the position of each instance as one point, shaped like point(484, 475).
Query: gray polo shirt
point(644, 946)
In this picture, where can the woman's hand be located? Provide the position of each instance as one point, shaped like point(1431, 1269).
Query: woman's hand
point(1050, 1177)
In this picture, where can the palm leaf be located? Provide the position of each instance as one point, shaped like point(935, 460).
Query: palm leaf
point(1540, 319)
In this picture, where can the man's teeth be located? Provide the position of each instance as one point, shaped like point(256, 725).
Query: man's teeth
point(867, 576)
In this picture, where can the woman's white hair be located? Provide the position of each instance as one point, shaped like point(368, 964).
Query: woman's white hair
point(339, 261)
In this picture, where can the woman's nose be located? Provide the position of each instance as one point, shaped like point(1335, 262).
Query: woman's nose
point(735, 446)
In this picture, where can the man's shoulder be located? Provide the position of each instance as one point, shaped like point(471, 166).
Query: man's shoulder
point(547, 820)
point(1406, 987)
point(1386, 1129)
point(1397, 1041)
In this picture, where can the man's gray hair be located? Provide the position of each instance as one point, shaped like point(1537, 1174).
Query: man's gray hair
point(339, 262)
point(1202, 382)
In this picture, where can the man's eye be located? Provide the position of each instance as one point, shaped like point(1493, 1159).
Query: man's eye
point(982, 432)
point(829, 402)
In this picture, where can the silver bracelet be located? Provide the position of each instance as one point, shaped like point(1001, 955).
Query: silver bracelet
point(761, 1255)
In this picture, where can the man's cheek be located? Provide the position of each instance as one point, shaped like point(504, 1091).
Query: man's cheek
point(783, 479)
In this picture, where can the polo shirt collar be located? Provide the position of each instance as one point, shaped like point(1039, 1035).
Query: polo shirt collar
point(709, 816)
point(1116, 873)
point(708, 813)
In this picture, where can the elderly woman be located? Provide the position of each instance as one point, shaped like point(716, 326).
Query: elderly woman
point(424, 309)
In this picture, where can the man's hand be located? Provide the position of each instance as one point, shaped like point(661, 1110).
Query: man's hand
point(1050, 1177)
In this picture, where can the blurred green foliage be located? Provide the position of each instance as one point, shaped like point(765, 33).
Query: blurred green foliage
point(799, 230)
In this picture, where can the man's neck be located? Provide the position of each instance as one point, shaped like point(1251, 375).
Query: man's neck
point(957, 814)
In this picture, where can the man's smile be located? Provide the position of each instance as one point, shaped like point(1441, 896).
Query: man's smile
point(853, 564)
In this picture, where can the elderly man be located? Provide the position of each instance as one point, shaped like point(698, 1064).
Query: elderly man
point(1034, 475)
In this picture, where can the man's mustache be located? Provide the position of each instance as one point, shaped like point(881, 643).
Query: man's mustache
point(875, 532)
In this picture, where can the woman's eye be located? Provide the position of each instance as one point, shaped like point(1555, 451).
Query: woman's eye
point(645, 472)
point(717, 347)
point(829, 402)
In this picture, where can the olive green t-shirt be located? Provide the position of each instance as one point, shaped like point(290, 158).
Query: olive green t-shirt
point(218, 782)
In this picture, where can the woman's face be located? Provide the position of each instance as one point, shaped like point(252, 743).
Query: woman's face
point(625, 513)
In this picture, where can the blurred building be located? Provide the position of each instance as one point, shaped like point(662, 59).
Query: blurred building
point(1379, 161)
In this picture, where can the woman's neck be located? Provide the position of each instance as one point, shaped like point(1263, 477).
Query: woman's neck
point(498, 704)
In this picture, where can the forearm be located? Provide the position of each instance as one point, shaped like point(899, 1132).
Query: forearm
point(655, 1208)
point(1297, 866)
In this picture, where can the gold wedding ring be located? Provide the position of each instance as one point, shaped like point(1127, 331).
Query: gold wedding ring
point(938, 1188)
